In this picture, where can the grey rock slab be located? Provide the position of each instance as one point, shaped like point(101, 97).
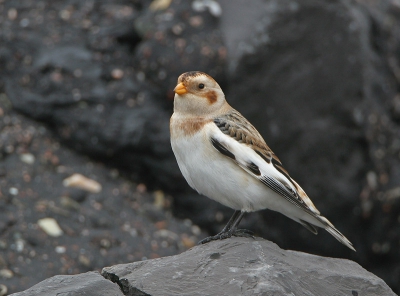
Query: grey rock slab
point(315, 83)
point(88, 284)
point(240, 266)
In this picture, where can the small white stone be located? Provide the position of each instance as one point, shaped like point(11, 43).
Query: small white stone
point(13, 191)
point(19, 245)
point(27, 158)
point(3, 290)
point(213, 7)
point(60, 249)
point(82, 182)
point(50, 226)
point(160, 4)
point(12, 14)
point(6, 273)
point(196, 230)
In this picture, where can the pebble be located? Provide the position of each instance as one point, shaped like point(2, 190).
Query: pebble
point(6, 273)
point(105, 243)
point(3, 244)
point(84, 260)
point(160, 4)
point(187, 241)
point(196, 230)
point(82, 182)
point(28, 158)
point(3, 290)
point(159, 199)
point(117, 74)
point(69, 203)
point(212, 6)
point(19, 245)
point(50, 226)
point(12, 14)
point(60, 249)
point(13, 191)
point(165, 233)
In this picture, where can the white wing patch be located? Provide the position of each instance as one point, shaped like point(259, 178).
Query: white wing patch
point(256, 166)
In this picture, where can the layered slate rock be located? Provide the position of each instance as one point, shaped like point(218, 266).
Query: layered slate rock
point(241, 266)
point(88, 284)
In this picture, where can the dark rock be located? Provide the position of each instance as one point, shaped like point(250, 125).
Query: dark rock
point(320, 80)
point(241, 266)
point(90, 283)
point(99, 229)
point(295, 102)
point(287, 85)
point(178, 40)
point(77, 194)
point(102, 75)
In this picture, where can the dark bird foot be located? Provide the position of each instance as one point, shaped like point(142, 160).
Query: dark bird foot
point(243, 233)
point(227, 234)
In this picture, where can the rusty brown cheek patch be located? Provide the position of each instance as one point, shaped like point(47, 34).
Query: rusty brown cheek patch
point(211, 97)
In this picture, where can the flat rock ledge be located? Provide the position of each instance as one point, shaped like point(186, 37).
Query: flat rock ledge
point(88, 284)
point(235, 266)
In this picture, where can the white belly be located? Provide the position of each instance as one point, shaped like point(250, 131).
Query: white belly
point(219, 177)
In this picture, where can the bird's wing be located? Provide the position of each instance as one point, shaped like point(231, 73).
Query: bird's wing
point(240, 141)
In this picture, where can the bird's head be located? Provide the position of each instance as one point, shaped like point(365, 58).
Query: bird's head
point(197, 93)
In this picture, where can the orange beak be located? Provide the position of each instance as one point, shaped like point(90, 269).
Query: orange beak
point(180, 89)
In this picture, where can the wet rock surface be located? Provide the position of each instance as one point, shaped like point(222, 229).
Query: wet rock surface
point(90, 283)
point(241, 266)
point(235, 266)
point(319, 80)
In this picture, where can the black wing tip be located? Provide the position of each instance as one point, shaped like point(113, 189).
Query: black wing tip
point(309, 226)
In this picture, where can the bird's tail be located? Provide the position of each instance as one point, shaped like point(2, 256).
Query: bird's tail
point(336, 233)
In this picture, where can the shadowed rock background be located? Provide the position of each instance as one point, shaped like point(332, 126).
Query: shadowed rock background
point(86, 87)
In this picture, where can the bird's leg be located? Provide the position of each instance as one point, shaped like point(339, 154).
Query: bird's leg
point(230, 229)
point(224, 230)
point(233, 231)
point(230, 222)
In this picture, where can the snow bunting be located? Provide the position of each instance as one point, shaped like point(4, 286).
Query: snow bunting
point(222, 156)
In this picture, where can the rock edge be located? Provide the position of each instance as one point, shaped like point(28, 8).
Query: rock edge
point(236, 266)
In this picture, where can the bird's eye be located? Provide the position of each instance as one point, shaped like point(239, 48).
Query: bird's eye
point(201, 85)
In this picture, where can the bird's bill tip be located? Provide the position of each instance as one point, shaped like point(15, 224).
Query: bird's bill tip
point(180, 89)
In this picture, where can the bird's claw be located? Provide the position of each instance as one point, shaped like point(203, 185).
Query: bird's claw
point(243, 233)
point(227, 234)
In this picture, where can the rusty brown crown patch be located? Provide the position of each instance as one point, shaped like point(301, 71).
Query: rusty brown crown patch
point(186, 76)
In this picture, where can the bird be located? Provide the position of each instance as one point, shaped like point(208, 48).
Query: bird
point(223, 156)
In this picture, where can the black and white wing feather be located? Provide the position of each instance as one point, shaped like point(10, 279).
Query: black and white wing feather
point(242, 143)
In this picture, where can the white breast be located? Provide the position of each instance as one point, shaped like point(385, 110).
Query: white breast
point(217, 176)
